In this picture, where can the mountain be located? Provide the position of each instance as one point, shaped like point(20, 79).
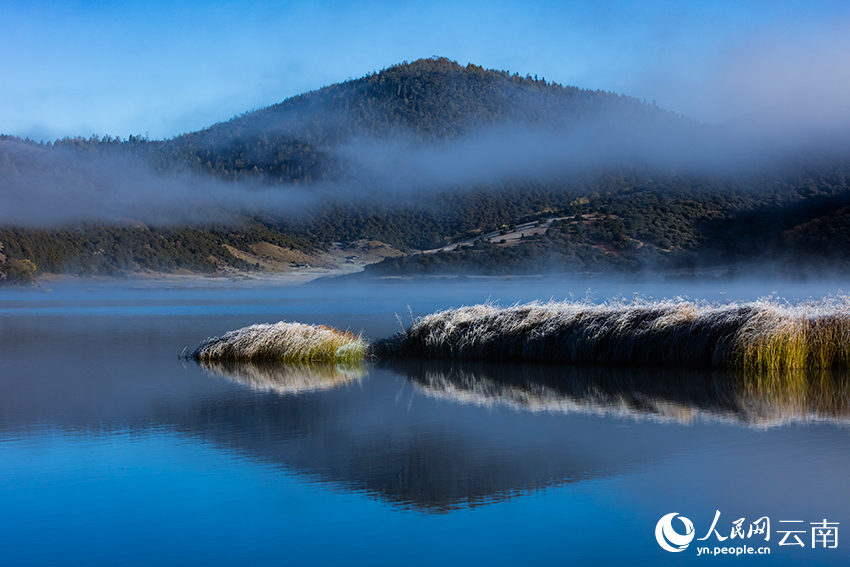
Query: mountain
point(420, 156)
point(429, 100)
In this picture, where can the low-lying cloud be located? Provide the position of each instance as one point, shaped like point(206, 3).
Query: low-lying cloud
point(57, 186)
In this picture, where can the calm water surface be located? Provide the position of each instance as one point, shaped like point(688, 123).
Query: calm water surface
point(112, 451)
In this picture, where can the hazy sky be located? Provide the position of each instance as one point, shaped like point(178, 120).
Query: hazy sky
point(167, 67)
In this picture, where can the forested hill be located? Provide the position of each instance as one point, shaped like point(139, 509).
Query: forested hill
point(510, 149)
point(429, 100)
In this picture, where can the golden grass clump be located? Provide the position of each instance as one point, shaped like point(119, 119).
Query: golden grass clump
point(811, 335)
point(754, 336)
point(284, 342)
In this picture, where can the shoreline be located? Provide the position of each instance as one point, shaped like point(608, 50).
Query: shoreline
point(219, 279)
point(708, 284)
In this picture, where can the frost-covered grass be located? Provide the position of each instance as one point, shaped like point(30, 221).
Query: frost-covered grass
point(764, 335)
point(284, 342)
point(758, 337)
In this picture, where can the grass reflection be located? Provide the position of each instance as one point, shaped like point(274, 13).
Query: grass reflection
point(283, 378)
point(674, 395)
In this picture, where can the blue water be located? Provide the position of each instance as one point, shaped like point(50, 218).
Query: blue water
point(112, 451)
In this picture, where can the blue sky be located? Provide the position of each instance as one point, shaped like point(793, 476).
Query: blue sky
point(164, 68)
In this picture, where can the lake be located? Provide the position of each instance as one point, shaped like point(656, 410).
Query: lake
point(113, 451)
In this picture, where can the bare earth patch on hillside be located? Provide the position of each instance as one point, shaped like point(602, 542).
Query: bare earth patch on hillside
point(276, 262)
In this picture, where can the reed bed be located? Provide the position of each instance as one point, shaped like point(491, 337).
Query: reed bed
point(763, 336)
point(291, 343)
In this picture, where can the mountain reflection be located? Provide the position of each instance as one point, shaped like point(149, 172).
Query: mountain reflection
point(667, 395)
point(384, 438)
point(395, 430)
point(409, 447)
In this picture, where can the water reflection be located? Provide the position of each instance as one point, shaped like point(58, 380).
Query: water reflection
point(667, 395)
point(285, 378)
point(406, 445)
point(383, 437)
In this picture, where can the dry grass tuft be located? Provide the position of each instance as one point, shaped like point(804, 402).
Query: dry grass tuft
point(284, 342)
